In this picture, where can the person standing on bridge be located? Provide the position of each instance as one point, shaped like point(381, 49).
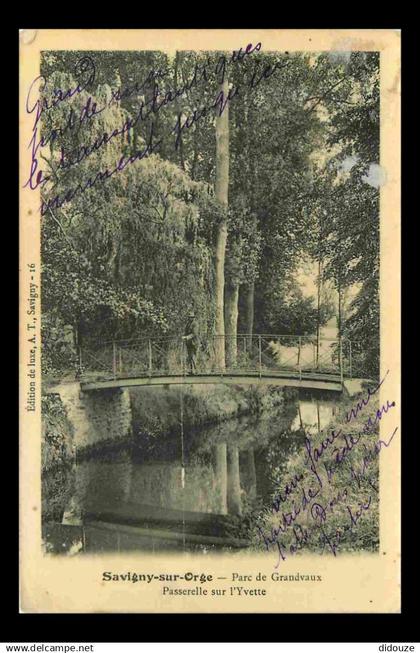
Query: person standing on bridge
point(191, 339)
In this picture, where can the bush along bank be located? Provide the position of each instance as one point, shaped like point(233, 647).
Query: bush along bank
point(57, 458)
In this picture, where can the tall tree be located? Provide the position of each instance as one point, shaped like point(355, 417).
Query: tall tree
point(221, 192)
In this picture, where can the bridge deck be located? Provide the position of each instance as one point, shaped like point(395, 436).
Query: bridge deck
point(312, 380)
point(296, 361)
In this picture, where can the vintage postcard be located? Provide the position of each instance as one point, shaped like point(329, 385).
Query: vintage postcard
point(210, 321)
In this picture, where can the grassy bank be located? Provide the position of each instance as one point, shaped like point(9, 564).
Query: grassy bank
point(328, 499)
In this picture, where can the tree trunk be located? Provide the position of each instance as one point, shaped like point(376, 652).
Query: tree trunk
point(340, 308)
point(221, 191)
point(318, 316)
point(249, 295)
point(181, 145)
point(231, 323)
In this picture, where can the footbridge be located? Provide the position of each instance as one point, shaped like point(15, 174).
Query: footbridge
point(291, 360)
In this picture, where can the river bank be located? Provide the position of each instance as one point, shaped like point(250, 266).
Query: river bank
point(58, 455)
point(339, 465)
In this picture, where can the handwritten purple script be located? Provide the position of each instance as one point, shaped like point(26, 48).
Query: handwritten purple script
point(311, 493)
point(41, 101)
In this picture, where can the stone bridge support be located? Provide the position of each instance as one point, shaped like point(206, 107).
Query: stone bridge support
point(96, 417)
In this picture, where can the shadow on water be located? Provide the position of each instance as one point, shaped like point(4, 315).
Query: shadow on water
point(192, 489)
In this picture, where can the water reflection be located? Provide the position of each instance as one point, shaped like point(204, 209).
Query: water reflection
point(313, 415)
point(195, 488)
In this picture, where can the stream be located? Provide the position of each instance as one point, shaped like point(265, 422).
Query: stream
point(188, 489)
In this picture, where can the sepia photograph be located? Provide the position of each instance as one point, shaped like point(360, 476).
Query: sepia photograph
point(210, 299)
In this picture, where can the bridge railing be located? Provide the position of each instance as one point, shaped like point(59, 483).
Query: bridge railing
point(214, 354)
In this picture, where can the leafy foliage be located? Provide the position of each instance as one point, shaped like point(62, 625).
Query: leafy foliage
point(135, 253)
